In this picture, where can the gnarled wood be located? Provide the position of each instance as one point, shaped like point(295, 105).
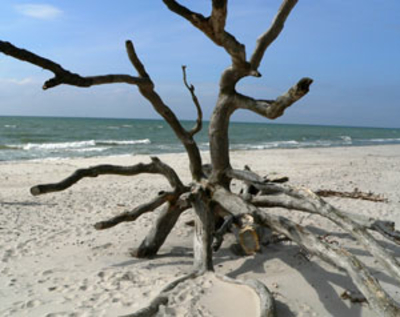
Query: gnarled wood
point(199, 122)
point(275, 109)
point(273, 32)
point(355, 194)
point(155, 167)
point(159, 231)
point(138, 211)
point(376, 296)
point(379, 300)
point(313, 203)
point(63, 76)
point(203, 232)
point(209, 192)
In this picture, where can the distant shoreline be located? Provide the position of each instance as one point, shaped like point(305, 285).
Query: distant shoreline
point(393, 148)
point(264, 122)
point(27, 138)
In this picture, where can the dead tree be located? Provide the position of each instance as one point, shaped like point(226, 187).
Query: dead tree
point(209, 193)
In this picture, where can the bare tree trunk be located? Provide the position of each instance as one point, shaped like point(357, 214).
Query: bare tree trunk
point(203, 233)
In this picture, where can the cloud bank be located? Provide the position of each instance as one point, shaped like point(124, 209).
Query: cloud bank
point(39, 11)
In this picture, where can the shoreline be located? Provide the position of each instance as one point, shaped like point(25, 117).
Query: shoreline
point(204, 153)
point(54, 263)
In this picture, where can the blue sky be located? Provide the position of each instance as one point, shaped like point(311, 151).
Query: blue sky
point(351, 48)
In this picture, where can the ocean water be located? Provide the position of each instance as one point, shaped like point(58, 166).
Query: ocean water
point(29, 138)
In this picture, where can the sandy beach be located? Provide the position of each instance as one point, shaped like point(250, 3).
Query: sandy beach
point(54, 263)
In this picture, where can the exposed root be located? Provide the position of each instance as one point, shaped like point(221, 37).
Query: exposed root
point(267, 303)
point(376, 296)
point(162, 298)
point(355, 194)
point(137, 212)
point(305, 200)
point(379, 300)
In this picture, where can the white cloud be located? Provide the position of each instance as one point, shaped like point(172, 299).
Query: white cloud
point(39, 11)
point(19, 82)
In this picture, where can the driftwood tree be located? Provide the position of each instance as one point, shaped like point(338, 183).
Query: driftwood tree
point(209, 193)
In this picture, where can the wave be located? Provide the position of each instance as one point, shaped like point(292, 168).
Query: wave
point(347, 139)
point(57, 146)
point(93, 149)
point(384, 140)
point(267, 145)
point(89, 144)
point(126, 142)
point(10, 126)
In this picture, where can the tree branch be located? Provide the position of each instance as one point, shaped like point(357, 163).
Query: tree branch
point(199, 122)
point(356, 194)
point(274, 109)
point(218, 16)
point(138, 211)
point(63, 76)
point(385, 228)
point(135, 60)
point(166, 113)
point(273, 32)
point(155, 167)
point(213, 28)
point(162, 298)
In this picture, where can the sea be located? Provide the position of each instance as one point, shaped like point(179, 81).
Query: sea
point(38, 138)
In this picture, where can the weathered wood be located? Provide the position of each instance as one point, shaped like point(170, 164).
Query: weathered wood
point(63, 76)
point(137, 212)
point(267, 302)
point(219, 234)
point(355, 194)
point(305, 199)
point(265, 40)
point(246, 229)
point(199, 121)
point(203, 232)
point(384, 227)
point(155, 167)
point(274, 109)
point(376, 296)
point(209, 193)
point(162, 298)
point(379, 300)
point(214, 28)
point(159, 232)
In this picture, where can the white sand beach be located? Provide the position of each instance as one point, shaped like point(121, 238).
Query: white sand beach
point(54, 263)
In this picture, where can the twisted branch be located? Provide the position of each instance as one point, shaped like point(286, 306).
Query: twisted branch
point(199, 122)
point(138, 211)
point(63, 76)
point(155, 167)
point(273, 109)
point(214, 28)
